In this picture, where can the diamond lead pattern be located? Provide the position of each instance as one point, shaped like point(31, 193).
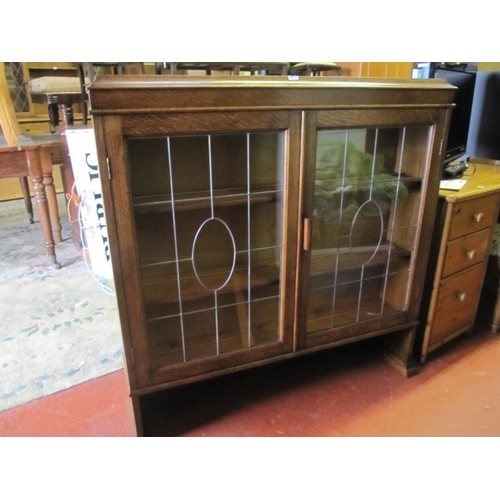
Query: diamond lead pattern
point(17, 86)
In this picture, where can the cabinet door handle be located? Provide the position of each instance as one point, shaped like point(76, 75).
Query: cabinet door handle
point(306, 242)
point(462, 296)
point(470, 253)
point(478, 217)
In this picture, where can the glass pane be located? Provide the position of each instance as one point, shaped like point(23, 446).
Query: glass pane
point(366, 207)
point(207, 212)
point(17, 86)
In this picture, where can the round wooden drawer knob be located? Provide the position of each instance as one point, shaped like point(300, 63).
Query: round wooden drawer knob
point(470, 253)
point(461, 296)
point(478, 217)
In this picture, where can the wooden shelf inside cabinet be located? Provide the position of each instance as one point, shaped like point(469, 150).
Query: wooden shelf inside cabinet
point(202, 199)
point(169, 350)
point(331, 259)
point(321, 318)
point(367, 182)
point(163, 289)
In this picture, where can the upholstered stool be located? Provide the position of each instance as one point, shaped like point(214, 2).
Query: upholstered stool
point(314, 68)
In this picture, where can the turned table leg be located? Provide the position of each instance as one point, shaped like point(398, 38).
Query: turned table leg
point(41, 203)
point(50, 191)
point(27, 197)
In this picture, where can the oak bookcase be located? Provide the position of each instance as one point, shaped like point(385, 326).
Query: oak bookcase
point(254, 219)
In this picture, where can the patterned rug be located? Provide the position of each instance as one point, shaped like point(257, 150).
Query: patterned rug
point(58, 328)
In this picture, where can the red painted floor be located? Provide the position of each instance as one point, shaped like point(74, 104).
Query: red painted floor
point(96, 408)
point(348, 391)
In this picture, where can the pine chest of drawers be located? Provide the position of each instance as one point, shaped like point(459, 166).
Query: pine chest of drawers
point(459, 255)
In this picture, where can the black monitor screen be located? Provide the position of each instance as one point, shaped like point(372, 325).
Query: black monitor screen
point(461, 115)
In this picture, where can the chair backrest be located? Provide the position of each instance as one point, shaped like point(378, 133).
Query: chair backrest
point(8, 119)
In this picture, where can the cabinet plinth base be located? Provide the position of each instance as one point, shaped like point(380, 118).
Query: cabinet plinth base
point(396, 349)
point(408, 369)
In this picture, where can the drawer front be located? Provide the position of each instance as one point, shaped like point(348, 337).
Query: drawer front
point(465, 252)
point(473, 215)
point(457, 302)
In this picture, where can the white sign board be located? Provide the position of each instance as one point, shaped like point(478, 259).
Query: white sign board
point(92, 219)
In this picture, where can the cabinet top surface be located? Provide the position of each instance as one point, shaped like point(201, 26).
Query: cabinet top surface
point(182, 81)
point(159, 93)
point(483, 180)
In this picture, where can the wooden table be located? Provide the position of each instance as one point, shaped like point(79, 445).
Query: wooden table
point(30, 159)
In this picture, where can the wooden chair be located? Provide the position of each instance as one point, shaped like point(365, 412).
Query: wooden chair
point(492, 279)
point(31, 155)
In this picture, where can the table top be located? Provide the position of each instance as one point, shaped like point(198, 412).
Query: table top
point(482, 179)
point(23, 143)
point(29, 141)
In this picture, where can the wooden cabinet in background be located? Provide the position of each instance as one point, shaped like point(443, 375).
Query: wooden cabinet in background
point(461, 244)
point(376, 69)
point(254, 220)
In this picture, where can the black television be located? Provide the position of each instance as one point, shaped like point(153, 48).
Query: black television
point(484, 140)
point(464, 81)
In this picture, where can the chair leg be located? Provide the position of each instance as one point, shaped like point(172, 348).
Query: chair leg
point(27, 197)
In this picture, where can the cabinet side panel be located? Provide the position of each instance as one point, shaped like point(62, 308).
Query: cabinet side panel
point(100, 129)
point(125, 254)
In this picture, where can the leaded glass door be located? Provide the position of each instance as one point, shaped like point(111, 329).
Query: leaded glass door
point(209, 217)
point(364, 199)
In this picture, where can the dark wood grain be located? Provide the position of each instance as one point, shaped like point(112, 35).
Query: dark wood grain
point(143, 212)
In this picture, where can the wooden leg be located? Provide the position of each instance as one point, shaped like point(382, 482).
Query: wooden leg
point(41, 203)
point(134, 413)
point(83, 103)
point(67, 114)
point(397, 349)
point(50, 191)
point(68, 181)
point(27, 197)
point(66, 170)
point(53, 115)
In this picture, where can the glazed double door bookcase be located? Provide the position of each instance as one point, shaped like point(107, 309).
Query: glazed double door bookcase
point(249, 225)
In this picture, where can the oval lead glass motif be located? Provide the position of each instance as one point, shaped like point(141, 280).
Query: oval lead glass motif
point(213, 254)
point(368, 218)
